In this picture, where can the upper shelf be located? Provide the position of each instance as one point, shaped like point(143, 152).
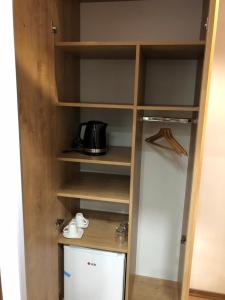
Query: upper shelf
point(99, 49)
point(169, 108)
point(185, 50)
point(117, 156)
point(99, 187)
point(95, 105)
point(126, 49)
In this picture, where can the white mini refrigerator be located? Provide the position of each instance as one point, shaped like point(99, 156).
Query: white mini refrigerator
point(93, 274)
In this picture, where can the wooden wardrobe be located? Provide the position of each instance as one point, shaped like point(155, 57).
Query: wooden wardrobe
point(115, 61)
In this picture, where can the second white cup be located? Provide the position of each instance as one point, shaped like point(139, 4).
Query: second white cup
point(81, 221)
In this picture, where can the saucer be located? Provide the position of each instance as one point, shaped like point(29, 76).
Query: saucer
point(78, 236)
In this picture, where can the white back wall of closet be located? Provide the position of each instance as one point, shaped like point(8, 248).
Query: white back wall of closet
point(163, 183)
point(141, 20)
point(163, 174)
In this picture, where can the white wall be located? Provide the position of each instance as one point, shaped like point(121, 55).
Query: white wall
point(163, 181)
point(11, 225)
point(163, 174)
point(208, 271)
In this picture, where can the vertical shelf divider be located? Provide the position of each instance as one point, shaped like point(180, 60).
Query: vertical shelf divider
point(135, 178)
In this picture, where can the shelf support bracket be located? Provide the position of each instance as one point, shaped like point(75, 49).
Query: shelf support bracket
point(206, 24)
point(53, 27)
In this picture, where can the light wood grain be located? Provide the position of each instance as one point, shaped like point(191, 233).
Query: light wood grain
point(34, 50)
point(101, 232)
point(97, 186)
point(168, 108)
point(185, 267)
point(63, 103)
point(34, 44)
point(146, 288)
point(117, 156)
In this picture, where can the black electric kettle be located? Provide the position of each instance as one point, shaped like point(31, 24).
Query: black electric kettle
point(93, 141)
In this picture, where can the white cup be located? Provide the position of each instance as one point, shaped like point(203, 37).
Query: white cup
point(81, 221)
point(71, 229)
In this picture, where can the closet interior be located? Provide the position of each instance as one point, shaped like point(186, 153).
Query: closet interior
point(137, 66)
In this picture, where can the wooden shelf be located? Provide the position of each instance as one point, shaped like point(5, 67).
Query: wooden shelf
point(127, 49)
point(130, 106)
point(174, 50)
point(98, 186)
point(117, 156)
point(117, 50)
point(100, 233)
point(169, 108)
point(95, 105)
point(146, 288)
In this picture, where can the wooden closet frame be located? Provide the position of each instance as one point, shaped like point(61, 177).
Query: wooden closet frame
point(39, 114)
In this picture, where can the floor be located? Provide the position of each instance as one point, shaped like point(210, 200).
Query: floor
point(197, 298)
point(146, 288)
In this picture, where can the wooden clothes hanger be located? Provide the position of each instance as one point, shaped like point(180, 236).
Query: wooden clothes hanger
point(166, 133)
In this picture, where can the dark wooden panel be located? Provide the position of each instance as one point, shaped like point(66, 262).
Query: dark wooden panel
point(66, 19)
point(205, 13)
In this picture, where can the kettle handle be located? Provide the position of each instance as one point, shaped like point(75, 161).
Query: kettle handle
point(80, 129)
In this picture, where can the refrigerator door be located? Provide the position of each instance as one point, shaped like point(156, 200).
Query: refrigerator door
point(93, 274)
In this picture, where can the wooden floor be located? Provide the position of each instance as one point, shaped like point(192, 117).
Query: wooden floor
point(146, 288)
point(196, 298)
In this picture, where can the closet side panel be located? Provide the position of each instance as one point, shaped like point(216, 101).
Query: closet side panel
point(194, 180)
point(134, 204)
point(34, 43)
point(135, 180)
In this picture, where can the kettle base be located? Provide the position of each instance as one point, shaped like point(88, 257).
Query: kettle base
point(94, 152)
